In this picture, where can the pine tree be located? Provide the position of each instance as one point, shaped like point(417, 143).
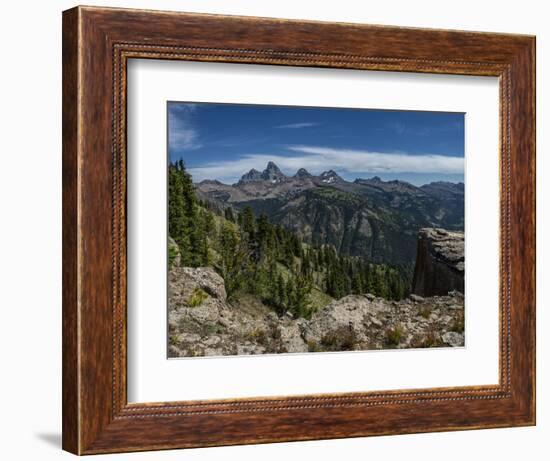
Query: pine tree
point(231, 260)
point(370, 279)
point(182, 215)
point(178, 225)
point(302, 297)
point(209, 226)
point(263, 235)
point(248, 222)
point(290, 289)
point(357, 284)
point(281, 295)
point(228, 213)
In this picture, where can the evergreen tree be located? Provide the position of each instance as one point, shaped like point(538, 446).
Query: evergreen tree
point(228, 213)
point(178, 224)
point(282, 299)
point(302, 290)
point(370, 279)
point(182, 215)
point(200, 253)
point(231, 260)
point(357, 284)
point(263, 235)
point(290, 288)
point(248, 222)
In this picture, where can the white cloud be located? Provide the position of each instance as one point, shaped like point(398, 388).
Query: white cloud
point(318, 159)
point(348, 160)
point(182, 134)
point(297, 125)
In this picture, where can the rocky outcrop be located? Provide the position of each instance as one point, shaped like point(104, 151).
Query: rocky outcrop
point(203, 323)
point(364, 322)
point(184, 281)
point(439, 262)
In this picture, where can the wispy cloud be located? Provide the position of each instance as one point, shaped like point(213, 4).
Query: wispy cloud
point(183, 135)
point(294, 126)
point(403, 129)
point(356, 163)
point(348, 160)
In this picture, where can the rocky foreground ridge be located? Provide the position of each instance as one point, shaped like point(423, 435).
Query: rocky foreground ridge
point(203, 323)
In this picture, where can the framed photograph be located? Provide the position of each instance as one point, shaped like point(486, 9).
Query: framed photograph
point(281, 230)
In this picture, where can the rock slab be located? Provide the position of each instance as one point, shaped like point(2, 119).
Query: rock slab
point(439, 265)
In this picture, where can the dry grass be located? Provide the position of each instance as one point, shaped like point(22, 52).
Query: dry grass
point(394, 335)
point(341, 339)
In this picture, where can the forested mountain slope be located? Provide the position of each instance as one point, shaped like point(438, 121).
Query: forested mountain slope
point(371, 218)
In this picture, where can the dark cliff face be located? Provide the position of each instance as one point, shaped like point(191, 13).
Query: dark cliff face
point(439, 262)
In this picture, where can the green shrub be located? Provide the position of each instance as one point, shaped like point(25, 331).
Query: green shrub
point(258, 336)
point(341, 339)
point(173, 252)
point(424, 312)
point(275, 333)
point(394, 335)
point(431, 339)
point(197, 297)
point(458, 324)
point(312, 346)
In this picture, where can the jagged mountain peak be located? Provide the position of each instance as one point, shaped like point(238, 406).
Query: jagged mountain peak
point(329, 177)
point(252, 175)
point(271, 173)
point(302, 173)
point(272, 170)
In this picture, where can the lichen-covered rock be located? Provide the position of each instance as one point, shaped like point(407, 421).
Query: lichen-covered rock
point(439, 262)
point(358, 322)
point(452, 338)
point(292, 339)
point(205, 278)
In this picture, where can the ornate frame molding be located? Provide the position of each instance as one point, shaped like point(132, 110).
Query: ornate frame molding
point(97, 45)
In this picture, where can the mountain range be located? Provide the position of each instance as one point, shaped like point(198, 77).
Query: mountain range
point(376, 219)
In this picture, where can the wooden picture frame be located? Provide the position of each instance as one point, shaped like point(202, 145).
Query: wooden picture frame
point(97, 43)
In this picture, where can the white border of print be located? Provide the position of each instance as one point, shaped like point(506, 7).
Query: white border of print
point(154, 378)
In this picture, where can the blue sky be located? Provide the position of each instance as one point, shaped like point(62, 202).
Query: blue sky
point(224, 141)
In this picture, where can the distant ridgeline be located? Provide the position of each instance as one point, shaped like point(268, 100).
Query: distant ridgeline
point(261, 256)
point(374, 219)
